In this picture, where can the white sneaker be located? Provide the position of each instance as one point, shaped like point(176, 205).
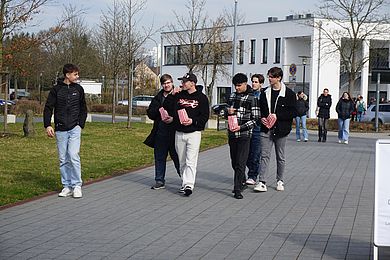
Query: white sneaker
point(280, 186)
point(250, 181)
point(261, 187)
point(66, 192)
point(340, 141)
point(345, 142)
point(298, 140)
point(77, 192)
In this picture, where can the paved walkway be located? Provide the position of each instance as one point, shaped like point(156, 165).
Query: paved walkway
point(326, 212)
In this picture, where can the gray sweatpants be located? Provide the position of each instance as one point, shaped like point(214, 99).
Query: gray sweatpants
point(266, 142)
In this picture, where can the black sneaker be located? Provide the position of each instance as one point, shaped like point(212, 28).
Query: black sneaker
point(187, 191)
point(158, 186)
point(238, 195)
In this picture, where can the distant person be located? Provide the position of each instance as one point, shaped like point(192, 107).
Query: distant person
point(70, 113)
point(302, 107)
point(253, 162)
point(360, 108)
point(324, 103)
point(354, 112)
point(277, 108)
point(190, 110)
point(344, 109)
point(162, 136)
point(382, 100)
point(243, 106)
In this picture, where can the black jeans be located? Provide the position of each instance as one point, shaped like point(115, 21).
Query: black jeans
point(163, 146)
point(239, 150)
point(322, 127)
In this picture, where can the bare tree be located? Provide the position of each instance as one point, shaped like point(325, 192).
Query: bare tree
point(356, 21)
point(111, 39)
point(201, 42)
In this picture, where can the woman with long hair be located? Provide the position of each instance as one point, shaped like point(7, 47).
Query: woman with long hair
point(344, 109)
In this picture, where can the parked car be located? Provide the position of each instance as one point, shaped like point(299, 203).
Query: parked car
point(9, 102)
point(123, 102)
point(142, 101)
point(383, 114)
point(220, 109)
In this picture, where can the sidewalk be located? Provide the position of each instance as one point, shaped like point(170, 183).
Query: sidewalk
point(326, 212)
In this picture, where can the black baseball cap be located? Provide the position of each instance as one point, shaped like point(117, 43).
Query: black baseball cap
point(189, 77)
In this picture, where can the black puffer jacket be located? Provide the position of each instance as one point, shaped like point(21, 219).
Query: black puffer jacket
point(68, 102)
point(344, 108)
point(324, 103)
point(302, 107)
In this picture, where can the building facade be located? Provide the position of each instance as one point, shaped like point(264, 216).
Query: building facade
point(308, 58)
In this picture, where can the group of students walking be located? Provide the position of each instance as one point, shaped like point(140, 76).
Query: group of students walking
point(260, 118)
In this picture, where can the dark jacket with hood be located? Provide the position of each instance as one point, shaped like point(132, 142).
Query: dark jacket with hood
point(284, 109)
point(324, 103)
point(344, 108)
point(159, 127)
point(70, 108)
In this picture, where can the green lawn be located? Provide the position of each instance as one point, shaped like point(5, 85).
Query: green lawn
point(29, 166)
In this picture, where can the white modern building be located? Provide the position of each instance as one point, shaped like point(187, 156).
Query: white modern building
point(305, 54)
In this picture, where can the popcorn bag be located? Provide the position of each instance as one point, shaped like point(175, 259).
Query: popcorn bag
point(163, 113)
point(232, 122)
point(183, 116)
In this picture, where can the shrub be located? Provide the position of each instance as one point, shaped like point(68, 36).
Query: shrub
point(22, 105)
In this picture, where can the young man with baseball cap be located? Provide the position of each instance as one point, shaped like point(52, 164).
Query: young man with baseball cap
point(190, 110)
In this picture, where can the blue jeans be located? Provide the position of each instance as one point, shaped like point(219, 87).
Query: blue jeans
point(253, 162)
point(68, 145)
point(164, 145)
point(301, 120)
point(343, 129)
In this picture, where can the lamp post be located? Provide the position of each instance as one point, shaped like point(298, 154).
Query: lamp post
point(40, 88)
point(304, 63)
point(157, 63)
point(234, 41)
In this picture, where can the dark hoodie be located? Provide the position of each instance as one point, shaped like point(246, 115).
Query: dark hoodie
point(196, 105)
point(68, 102)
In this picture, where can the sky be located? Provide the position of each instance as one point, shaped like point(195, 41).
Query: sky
point(160, 12)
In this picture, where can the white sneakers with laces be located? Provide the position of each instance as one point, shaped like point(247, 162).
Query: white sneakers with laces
point(77, 192)
point(66, 192)
point(260, 187)
point(280, 186)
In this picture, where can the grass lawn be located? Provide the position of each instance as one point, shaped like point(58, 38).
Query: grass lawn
point(29, 166)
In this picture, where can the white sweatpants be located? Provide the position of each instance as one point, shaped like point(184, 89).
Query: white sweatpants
point(187, 148)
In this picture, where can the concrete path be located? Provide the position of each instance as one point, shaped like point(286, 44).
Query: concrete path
point(326, 212)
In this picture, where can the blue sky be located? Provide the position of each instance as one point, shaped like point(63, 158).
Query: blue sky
point(161, 11)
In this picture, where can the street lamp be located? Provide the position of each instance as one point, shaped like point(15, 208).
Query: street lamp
point(304, 62)
point(158, 65)
point(40, 88)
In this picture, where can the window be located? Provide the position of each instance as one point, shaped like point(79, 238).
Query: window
point(277, 50)
point(170, 55)
point(241, 52)
point(253, 52)
point(265, 51)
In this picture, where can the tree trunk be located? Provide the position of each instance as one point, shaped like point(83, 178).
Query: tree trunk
point(113, 98)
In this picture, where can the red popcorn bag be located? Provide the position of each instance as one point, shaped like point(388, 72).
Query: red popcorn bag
point(183, 116)
point(232, 122)
point(269, 121)
point(163, 113)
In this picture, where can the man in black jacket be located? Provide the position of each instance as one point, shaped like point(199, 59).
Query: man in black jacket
point(302, 107)
point(70, 113)
point(278, 103)
point(162, 136)
point(324, 103)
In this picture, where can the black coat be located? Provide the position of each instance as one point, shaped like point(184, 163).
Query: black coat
point(324, 103)
point(159, 127)
point(285, 110)
point(302, 107)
